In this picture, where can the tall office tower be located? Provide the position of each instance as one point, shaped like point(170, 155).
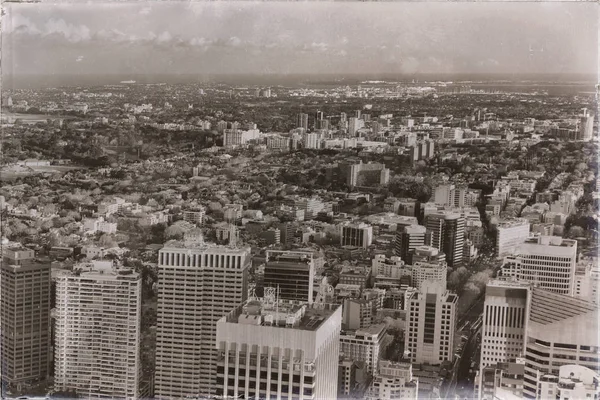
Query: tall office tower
point(292, 273)
point(98, 311)
point(505, 315)
point(561, 330)
point(318, 117)
point(394, 381)
point(198, 284)
point(358, 313)
point(450, 195)
point(302, 121)
point(510, 234)
point(585, 126)
point(364, 345)
point(431, 322)
point(549, 262)
point(429, 271)
point(24, 320)
point(407, 239)
point(358, 235)
point(275, 349)
point(354, 124)
point(447, 235)
point(357, 113)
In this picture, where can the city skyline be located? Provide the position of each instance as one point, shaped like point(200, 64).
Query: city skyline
point(289, 38)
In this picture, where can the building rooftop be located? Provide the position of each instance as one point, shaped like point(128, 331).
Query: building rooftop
point(281, 314)
point(548, 307)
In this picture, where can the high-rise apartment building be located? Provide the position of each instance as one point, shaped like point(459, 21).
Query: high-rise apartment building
point(447, 235)
point(24, 320)
point(273, 349)
point(409, 238)
point(505, 315)
point(364, 345)
point(510, 234)
point(198, 284)
point(548, 262)
point(364, 175)
point(431, 322)
point(585, 126)
point(97, 342)
point(291, 273)
point(450, 195)
point(394, 381)
point(358, 235)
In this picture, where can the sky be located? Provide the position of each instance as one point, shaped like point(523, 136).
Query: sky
point(300, 38)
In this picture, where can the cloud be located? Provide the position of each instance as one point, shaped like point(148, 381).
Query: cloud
point(79, 59)
point(145, 11)
point(321, 46)
point(71, 32)
point(234, 41)
point(164, 37)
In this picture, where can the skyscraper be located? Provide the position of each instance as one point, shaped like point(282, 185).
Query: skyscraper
point(269, 348)
point(98, 311)
point(359, 235)
point(302, 121)
point(447, 235)
point(431, 322)
point(198, 284)
point(292, 273)
point(503, 332)
point(24, 320)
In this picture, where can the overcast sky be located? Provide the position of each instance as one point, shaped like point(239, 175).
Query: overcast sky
point(300, 37)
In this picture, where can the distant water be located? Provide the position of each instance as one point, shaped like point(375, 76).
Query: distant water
point(582, 82)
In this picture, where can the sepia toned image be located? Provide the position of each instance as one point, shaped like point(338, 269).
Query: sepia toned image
point(299, 200)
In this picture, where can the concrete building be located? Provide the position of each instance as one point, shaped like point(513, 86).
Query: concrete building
point(572, 382)
point(497, 381)
point(97, 345)
point(390, 272)
point(409, 238)
point(186, 321)
point(427, 254)
point(364, 175)
point(431, 323)
point(585, 126)
point(24, 321)
point(423, 150)
point(275, 349)
point(450, 195)
point(292, 273)
point(358, 313)
point(364, 345)
point(426, 271)
point(587, 279)
point(505, 315)
point(359, 235)
point(510, 234)
point(561, 330)
point(302, 121)
point(232, 213)
point(194, 216)
point(394, 381)
point(447, 235)
point(548, 262)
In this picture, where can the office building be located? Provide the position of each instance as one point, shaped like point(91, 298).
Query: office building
point(510, 234)
point(423, 150)
point(447, 235)
point(364, 175)
point(358, 235)
point(585, 126)
point(390, 272)
point(408, 238)
point(572, 382)
point(273, 349)
point(394, 381)
point(358, 313)
point(24, 320)
point(232, 213)
point(431, 323)
point(198, 284)
point(548, 262)
point(503, 380)
point(194, 216)
point(561, 330)
point(450, 195)
point(408, 207)
point(505, 314)
point(428, 271)
point(302, 121)
point(97, 342)
point(427, 254)
point(364, 345)
point(292, 273)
